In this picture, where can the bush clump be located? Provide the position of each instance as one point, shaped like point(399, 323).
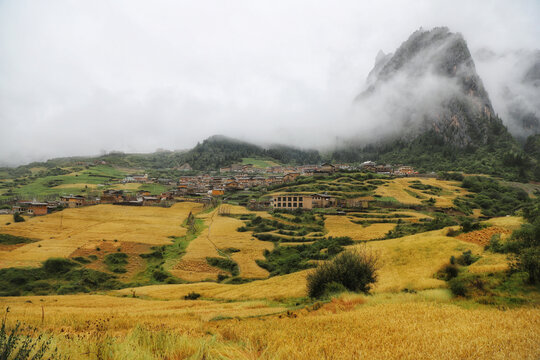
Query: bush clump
point(192, 296)
point(58, 265)
point(448, 272)
point(17, 217)
point(467, 258)
point(224, 264)
point(116, 262)
point(354, 270)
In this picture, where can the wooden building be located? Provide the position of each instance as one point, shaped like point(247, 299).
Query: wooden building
point(291, 201)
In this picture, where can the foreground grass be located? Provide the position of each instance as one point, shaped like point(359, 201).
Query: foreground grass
point(425, 325)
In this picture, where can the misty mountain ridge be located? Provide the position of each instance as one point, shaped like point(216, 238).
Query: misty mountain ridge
point(430, 84)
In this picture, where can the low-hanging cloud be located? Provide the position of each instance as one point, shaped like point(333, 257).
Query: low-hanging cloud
point(78, 78)
point(513, 78)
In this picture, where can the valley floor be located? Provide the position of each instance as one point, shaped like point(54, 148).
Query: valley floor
point(410, 314)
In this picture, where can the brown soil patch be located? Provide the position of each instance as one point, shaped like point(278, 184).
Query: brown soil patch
point(482, 237)
point(135, 263)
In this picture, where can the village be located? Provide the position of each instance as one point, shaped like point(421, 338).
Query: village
point(206, 188)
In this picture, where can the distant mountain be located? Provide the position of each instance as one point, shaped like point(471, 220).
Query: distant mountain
point(219, 151)
point(215, 152)
point(435, 76)
point(432, 111)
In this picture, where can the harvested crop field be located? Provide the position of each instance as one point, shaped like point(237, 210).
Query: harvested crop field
point(483, 236)
point(220, 233)
point(401, 190)
point(274, 288)
point(411, 261)
point(62, 233)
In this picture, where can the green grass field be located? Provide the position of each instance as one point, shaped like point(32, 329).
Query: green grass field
point(259, 163)
point(59, 184)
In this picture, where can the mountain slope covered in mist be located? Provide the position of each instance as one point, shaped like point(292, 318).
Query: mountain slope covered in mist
point(514, 80)
point(434, 111)
point(434, 75)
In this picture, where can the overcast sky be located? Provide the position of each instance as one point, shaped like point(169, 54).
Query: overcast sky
point(85, 77)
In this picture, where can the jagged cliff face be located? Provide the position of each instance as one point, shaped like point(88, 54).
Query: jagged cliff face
point(430, 85)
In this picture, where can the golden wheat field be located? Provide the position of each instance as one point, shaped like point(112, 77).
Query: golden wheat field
point(62, 233)
point(219, 234)
point(409, 315)
point(415, 326)
point(400, 190)
point(342, 226)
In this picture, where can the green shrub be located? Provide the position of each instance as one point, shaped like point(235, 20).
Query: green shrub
point(116, 262)
point(82, 260)
point(452, 232)
point(72, 289)
point(159, 275)
point(448, 272)
point(458, 287)
point(17, 217)
point(116, 258)
point(224, 264)
point(354, 270)
point(58, 265)
point(529, 261)
point(468, 225)
point(192, 296)
point(467, 258)
point(495, 245)
point(7, 239)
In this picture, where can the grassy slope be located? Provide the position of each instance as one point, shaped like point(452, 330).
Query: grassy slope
point(259, 163)
point(92, 177)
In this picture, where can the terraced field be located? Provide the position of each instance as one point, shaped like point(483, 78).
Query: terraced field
point(220, 234)
point(400, 189)
point(64, 232)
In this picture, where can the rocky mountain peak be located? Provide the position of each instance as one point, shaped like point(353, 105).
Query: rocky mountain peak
point(430, 83)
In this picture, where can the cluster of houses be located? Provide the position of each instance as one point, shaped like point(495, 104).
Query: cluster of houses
point(43, 208)
point(218, 185)
point(119, 197)
point(233, 178)
point(245, 176)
